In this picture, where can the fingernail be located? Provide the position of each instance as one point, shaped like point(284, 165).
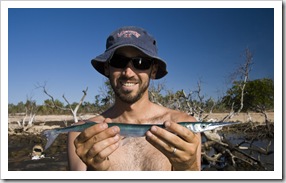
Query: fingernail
point(153, 128)
point(104, 125)
point(116, 137)
point(148, 134)
point(115, 129)
point(167, 124)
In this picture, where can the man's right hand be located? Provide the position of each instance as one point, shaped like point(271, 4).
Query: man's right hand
point(96, 143)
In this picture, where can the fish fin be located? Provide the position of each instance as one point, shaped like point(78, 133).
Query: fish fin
point(51, 136)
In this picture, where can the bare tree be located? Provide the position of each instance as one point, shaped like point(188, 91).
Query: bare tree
point(69, 108)
point(244, 71)
point(242, 74)
point(195, 102)
point(26, 123)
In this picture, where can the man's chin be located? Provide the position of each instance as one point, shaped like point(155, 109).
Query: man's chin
point(129, 98)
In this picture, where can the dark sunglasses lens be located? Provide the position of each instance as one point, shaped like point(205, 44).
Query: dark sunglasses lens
point(118, 61)
point(121, 62)
point(141, 63)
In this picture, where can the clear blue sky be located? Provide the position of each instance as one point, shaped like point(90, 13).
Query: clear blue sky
point(56, 46)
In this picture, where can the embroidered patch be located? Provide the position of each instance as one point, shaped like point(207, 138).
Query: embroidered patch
point(128, 34)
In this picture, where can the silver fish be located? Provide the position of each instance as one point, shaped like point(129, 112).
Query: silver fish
point(133, 130)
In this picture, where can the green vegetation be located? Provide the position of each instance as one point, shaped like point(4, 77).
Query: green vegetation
point(258, 95)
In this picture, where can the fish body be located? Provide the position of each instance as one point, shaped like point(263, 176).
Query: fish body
point(132, 130)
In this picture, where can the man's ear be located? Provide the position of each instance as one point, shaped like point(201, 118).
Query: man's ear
point(154, 71)
point(106, 69)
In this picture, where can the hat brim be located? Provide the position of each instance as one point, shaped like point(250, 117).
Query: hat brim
point(99, 61)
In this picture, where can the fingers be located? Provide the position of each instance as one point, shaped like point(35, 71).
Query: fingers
point(89, 132)
point(94, 135)
point(103, 149)
point(95, 129)
point(164, 140)
point(98, 158)
point(107, 120)
point(177, 143)
point(96, 143)
point(174, 137)
point(181, 131)
point(154, 138)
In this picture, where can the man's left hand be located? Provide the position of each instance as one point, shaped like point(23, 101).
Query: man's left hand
point(178, 144)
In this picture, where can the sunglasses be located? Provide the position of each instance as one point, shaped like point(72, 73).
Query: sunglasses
point(140, 63)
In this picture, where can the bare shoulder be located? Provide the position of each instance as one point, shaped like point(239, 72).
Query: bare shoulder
point(179, 116)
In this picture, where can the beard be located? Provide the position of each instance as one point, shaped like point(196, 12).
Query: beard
point(128, 96)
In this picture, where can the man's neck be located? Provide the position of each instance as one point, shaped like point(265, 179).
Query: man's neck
point(132, 112)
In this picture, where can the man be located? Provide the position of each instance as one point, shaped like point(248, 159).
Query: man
point(130, 61)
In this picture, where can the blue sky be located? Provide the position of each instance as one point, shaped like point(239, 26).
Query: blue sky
point(56, 46)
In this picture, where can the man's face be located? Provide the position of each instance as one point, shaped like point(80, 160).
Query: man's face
point(129, 84)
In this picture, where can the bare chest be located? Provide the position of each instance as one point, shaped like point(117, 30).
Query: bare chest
point(137, 154)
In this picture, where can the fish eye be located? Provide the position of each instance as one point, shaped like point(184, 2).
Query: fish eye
point(203, 126)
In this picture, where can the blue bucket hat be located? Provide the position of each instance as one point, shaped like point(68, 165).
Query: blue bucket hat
point(130, 36)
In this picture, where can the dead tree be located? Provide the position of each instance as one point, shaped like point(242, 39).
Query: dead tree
point(262, 109)
point(69, 108)
point(242, 74)
point(26, 123)
point(74, 111)
point(195, 102)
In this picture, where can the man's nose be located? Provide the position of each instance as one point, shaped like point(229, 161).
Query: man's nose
point(128, 70)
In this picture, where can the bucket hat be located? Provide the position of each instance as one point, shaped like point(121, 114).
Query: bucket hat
point(130, 36)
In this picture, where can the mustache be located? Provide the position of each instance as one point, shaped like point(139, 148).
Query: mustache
point(130, 79)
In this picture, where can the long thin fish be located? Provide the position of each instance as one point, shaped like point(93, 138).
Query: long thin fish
point(133, 130)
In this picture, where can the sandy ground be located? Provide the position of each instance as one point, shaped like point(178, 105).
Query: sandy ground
point(43, 122)
point(47, 118)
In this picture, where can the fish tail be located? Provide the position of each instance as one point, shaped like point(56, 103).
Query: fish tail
point(51, 136)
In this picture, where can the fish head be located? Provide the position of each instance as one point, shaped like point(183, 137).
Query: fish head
point(206, 126)
point(199, 127)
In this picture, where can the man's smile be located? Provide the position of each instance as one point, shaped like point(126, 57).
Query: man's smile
point(128, 85)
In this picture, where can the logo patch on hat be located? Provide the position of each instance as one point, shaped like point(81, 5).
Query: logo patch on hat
point(128, 34)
